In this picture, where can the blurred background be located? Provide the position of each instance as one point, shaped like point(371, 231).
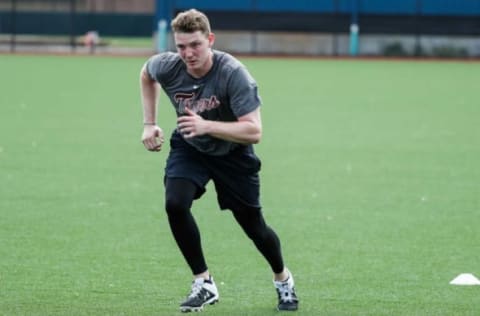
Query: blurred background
point(436, 28)
point(370, 166)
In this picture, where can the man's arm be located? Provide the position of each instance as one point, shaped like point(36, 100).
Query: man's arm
point(152, 136)
point(246, 130)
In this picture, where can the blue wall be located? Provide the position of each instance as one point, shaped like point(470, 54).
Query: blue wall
point(425, 7)
point(434, 17)
point(454, 17)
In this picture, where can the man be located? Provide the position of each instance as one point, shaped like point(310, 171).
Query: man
point(218, 120)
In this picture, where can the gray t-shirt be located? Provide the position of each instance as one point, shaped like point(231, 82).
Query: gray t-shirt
point(225, 93)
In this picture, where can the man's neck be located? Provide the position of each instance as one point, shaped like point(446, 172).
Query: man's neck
point(205, 69)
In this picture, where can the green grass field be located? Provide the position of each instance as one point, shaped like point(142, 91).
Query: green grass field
point(370, 176)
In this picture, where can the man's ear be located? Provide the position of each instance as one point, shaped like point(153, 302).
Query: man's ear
point(211, 39)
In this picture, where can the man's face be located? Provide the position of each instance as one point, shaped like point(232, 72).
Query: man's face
point(195, 51)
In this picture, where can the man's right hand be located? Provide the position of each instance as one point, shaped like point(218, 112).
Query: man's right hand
point(152, 137)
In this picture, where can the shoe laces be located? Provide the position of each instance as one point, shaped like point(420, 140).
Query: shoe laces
point(197, 286)
point(286, 293)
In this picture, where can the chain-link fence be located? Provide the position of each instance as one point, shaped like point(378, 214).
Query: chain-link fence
point(71, 23)
point(323, 27)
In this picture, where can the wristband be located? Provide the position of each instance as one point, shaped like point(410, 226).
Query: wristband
point(149, 123)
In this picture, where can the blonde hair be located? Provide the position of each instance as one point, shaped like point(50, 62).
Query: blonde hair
point(191, 21)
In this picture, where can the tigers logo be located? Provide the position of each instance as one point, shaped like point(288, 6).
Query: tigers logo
point(187, 100)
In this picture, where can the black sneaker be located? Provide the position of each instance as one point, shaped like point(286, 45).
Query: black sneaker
point(287, 299)
point(203, 292)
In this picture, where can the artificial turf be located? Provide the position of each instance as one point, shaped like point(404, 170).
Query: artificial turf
point(370, 177)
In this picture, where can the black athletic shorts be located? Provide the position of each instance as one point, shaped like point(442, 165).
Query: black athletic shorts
point(235, 174)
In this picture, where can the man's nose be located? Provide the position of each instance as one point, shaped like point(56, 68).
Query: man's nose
point(188, 52)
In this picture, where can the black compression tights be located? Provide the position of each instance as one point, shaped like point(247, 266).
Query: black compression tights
point(179, 197)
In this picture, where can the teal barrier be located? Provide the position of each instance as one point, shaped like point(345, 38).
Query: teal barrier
point(354, 39)
point(162, 35)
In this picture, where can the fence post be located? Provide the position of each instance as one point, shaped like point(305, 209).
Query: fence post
point(418, 15)
point(335, 32)
point(162, 35)
point(13, 30)
point(354, 29)
point(163, 17)
point(73, 43)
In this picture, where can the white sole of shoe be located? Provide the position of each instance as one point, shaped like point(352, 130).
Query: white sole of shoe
point(188, 309)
